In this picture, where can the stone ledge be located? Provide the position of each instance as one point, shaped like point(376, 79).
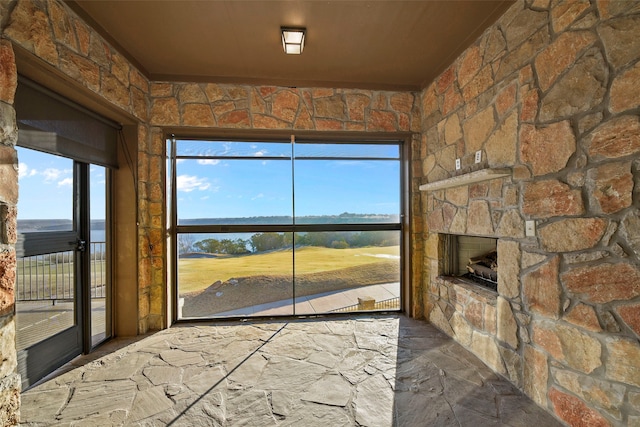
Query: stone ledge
point(483, 294)
point(466, 179)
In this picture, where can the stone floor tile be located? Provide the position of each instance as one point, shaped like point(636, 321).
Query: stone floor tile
point(373, 401)
point(91, 398)
point(423, 409)
point(332, 390)
point(467, 417)
point(115, 418)
point(387, 371)
point(248, 373)
point(163, 374)
point(324, 358)
point(148, 403)
point(181, 358)
point(250, 408)
point(127, 365)
point(312, 414)
point(202, 380)
point(282, 373)
point(44, 405)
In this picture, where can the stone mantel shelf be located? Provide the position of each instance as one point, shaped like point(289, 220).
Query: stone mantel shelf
point(466, 179)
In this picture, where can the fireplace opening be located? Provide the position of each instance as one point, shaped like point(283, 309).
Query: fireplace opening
point(473, 259)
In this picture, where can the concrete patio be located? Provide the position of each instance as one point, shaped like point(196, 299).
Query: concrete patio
point(375, 370)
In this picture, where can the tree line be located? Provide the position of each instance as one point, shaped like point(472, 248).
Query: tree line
point(261, 242)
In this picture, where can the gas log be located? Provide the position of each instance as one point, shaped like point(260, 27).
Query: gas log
point(484, 266)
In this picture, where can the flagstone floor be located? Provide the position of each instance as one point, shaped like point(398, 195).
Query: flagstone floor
point(377, 370)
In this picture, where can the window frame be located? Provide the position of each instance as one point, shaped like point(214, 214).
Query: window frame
point(403, 140)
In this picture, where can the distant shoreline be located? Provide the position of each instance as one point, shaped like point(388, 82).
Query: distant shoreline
point(27, 225)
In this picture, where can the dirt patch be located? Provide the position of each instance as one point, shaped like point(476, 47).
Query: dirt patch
point(248, 291)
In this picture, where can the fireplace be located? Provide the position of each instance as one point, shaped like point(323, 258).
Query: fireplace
point(472, 259)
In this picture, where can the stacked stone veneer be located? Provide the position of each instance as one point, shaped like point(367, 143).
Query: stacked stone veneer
point(9, 378)
point(551, 92)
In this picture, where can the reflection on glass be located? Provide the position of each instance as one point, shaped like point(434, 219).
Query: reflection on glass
point(240, 274)
point(347, 271)
point(44, 297)
point(233, 192)
point(45, 180)
point(252, 273)
point(329, 189)
point(233, 149)
point(381, 151)
point(44, 283)
point(99, 287)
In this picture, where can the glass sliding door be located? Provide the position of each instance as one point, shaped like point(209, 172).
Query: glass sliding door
point(281, 228)
point(62, 281)
point(62, 284)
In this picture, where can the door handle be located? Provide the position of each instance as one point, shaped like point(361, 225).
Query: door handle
point(81, 245)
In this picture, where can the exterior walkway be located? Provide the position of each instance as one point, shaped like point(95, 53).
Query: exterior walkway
point(374, 370)
point(319, 303)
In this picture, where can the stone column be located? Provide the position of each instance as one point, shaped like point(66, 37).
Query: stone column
point(9, 378)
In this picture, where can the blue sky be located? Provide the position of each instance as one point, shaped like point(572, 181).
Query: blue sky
point(219, 188)
point(46, 187)
point(225, 188)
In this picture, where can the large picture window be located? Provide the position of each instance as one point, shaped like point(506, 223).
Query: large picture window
point(285, 228)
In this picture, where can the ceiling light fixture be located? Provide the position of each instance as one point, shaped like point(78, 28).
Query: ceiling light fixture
point(293, 40)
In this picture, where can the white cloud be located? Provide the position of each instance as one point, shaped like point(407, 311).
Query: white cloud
point(65, 182)
point(208, 161)
point(188, 183)
point(52, 174)
point(259, 196)
point(260, 153)
point(204, 198)
point(25, 171)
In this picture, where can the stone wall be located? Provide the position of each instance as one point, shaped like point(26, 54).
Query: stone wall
point(551, 92)
point(9, 378)
point(190, 106)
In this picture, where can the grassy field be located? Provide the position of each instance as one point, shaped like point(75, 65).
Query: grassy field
point(197, 274)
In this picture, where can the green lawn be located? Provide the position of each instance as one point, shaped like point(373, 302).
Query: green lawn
point(197, 274)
